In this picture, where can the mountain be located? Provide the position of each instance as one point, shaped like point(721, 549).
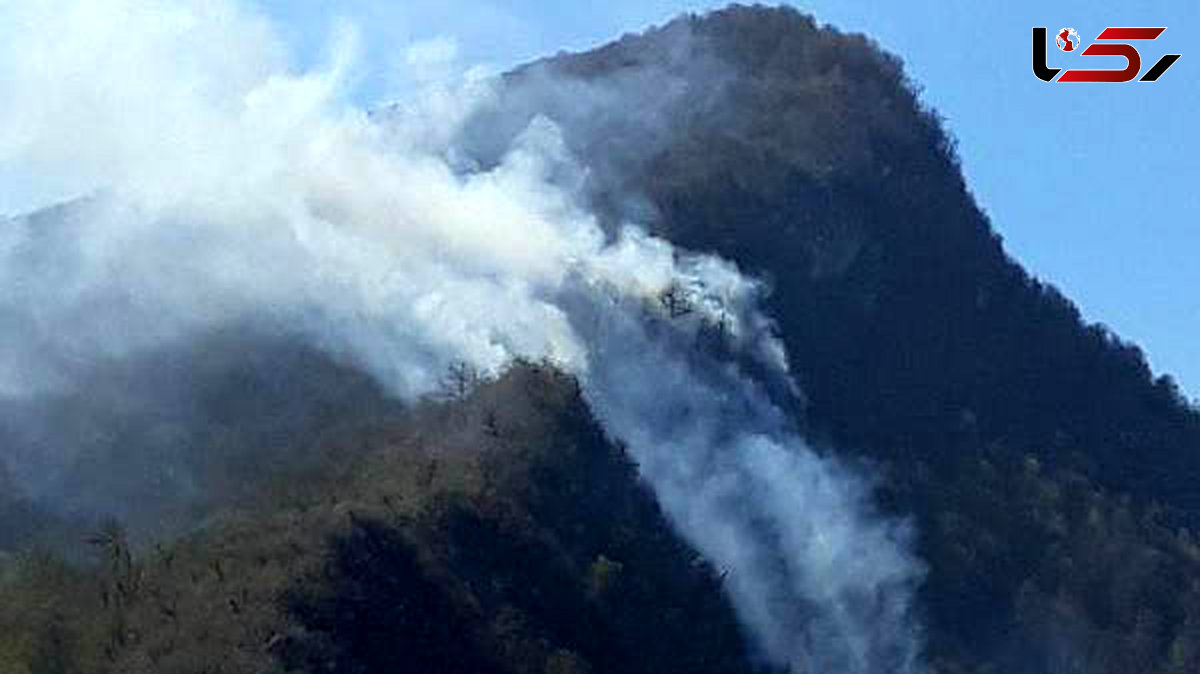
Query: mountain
point(1049, 476)
point(805, 156)
point(1052, 476)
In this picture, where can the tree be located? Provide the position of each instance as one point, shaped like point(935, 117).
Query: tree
point(460, 379)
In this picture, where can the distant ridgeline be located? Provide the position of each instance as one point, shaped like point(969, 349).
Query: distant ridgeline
point(1051, 479)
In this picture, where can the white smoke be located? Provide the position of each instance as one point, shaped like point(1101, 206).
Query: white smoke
point(217, 186)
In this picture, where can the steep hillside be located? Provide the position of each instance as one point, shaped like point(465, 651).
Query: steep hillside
point(1036, 450)
point(499, 532)
point(805, 155)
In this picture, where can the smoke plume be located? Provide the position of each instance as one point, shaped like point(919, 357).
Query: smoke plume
point(208, 189)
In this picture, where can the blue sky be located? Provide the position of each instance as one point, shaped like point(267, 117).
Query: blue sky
point(1095, 188)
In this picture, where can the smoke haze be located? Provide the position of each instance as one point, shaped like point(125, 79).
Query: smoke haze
point(214, 204)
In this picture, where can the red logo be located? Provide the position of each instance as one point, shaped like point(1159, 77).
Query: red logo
point(1068, 41)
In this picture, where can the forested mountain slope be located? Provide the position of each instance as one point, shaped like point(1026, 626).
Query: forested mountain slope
point(806, 155)
point(494, 532)
point(1049, 470)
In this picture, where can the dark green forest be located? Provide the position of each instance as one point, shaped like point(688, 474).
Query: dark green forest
point(1052, 478)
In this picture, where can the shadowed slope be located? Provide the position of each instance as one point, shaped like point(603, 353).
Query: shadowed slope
point(1000, 418)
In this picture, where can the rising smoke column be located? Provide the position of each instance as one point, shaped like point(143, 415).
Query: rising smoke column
point(220, 188)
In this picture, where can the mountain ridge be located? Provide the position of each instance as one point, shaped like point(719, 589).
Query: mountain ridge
point(921, 345)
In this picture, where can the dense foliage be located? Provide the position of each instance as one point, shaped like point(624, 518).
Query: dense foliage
point(1053, 477)
point(496, 532)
